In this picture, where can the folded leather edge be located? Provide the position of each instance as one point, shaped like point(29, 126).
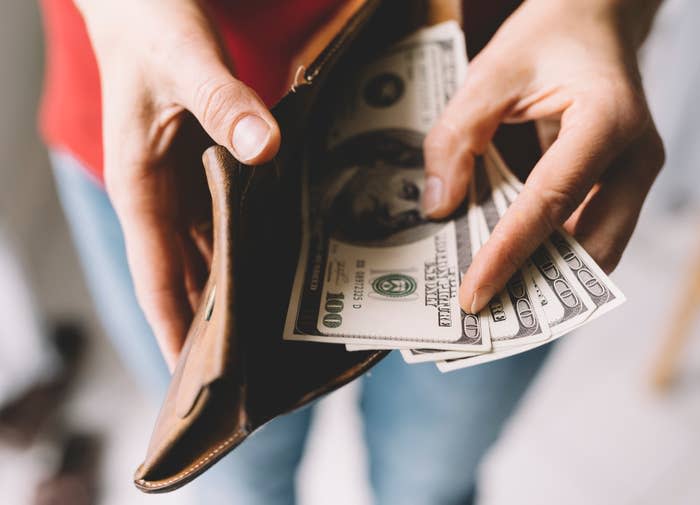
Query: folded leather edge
point(219, 451)
point(217, 161)
point(190, 472)
point(350, 375)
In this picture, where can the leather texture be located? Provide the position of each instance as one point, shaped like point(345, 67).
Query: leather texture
point(235, 372)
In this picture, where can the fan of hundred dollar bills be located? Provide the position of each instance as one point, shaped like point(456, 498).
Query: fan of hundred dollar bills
point(374, 273)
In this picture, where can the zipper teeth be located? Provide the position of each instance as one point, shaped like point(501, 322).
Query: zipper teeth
point(349, 30)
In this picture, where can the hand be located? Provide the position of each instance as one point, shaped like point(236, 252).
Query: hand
point(574, 62)
point(159, 59)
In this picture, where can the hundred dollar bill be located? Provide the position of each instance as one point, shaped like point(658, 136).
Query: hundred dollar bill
point(456, 363)
point(565, 305)
point(513, 314)
point(598, 286)
point(590, 281)
point(585, 278)
point(406, 86)
point(467, 249)
point(451, 365)
point(414, 356)
point(372, 269)
point(516, 314)
point(406, 292)
point(507, 323)
point(504, 321)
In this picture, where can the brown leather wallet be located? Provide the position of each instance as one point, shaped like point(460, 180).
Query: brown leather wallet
point(235, 372)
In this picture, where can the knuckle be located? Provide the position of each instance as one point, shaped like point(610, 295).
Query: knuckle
point(632, 114)
point(215, 101)
point(439, 143)
point(623, 105)
point(479, 73)
point(124, 173)
point(650, 158)
point(510, 257)
point(606, 250)
point(440, 138)
point(556, 205)
point(154, 298)
point(609, 258)
point(507, 250)
point(483, 70)
point(656, 152)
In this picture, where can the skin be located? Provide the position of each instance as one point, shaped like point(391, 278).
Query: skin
point(157, 60)
point(559, 60)
point(565, 63)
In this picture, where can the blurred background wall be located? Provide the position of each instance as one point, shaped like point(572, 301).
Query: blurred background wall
point(33, 230)
point(29, 210)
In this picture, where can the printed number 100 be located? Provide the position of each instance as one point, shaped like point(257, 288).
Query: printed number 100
point(334, 306)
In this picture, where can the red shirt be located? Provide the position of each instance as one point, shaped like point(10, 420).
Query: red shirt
point(262, 37)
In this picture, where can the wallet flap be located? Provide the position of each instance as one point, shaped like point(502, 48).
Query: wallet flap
point(209, 350)
point(213, 324)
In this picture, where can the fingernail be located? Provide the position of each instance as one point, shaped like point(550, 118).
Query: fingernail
point(432, 194)
point(250, 136)
point(481, 297)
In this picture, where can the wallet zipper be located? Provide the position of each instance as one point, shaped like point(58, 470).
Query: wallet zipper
point(356, 22)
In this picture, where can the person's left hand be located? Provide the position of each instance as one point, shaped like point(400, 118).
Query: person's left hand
point(553, 59)
point(167, 90)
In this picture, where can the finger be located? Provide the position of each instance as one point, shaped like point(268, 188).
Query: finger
point(230, 112)
point(156, 261)
point(588, 142)
point(462, 132)
point(604, 223)
point(142, 194)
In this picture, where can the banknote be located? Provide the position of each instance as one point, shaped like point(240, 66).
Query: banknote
point(468, 250)
point(516, 315)
point(561, 263)
point(592, 283)
point(372, 268)
point(566, 305)
point(531, 321)
point(375, 273)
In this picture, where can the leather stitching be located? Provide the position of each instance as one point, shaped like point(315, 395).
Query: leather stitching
point(343, 379)
point(203, 461)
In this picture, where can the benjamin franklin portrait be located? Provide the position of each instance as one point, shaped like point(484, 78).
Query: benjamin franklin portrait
point(372, 187)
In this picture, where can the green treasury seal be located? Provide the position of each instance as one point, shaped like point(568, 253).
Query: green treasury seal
point(394, 285)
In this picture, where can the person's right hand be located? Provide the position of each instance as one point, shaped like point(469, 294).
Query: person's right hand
point(157, 60)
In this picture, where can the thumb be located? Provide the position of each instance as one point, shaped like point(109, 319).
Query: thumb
point(228, 110)
point(462, 132)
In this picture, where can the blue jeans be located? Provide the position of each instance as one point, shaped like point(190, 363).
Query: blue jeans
point(426, 432)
